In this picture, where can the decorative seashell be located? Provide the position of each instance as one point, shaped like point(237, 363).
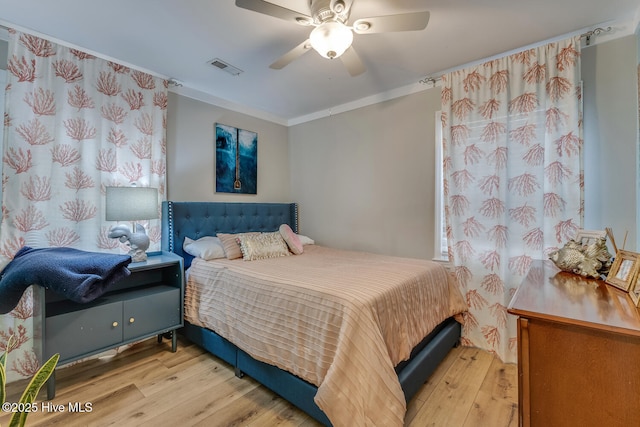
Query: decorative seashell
point(588, 261)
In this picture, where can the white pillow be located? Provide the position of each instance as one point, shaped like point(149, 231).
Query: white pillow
point(208, 247)
point(306, 240)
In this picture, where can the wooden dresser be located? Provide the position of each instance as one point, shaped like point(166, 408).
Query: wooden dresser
point(578, 351)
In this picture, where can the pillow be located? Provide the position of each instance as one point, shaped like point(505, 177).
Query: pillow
point(291, 238)
point(231, 245)
point(262, 246)
point(208, 247)
point(306, 240)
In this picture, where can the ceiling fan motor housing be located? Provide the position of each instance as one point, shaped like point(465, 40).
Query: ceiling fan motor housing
point(321, 11)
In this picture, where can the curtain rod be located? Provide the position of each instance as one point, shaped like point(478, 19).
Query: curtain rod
point(595, 32)
point(431, 81)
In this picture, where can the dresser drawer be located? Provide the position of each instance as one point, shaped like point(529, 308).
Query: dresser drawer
point(83, 331)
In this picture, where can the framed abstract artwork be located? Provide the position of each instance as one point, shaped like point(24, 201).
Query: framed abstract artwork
point(236, 160)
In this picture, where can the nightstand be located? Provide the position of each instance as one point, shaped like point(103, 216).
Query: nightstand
point(148, 302)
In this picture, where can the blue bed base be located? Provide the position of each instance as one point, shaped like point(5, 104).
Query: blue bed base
point(198, 219)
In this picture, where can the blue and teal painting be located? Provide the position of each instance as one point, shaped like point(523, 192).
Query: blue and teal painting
point(236, 160)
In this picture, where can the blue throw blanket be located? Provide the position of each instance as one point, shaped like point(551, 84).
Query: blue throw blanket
point(76, 275)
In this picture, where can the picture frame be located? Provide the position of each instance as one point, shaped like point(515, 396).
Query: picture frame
point(624, 273)
point(236, 160)
point(587, 237)
point(634, 292)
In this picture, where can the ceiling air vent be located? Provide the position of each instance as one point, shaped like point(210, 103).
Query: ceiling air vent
point(219, 63)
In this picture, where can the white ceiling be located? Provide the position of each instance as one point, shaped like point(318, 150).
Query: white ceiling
point(177, 38)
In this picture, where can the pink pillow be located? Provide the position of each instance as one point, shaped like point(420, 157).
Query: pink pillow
point(292, 239)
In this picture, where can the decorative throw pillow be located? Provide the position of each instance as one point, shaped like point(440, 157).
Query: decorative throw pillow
point(231, 245)
point(262, 246)
point(208, 247)
point(292, 239)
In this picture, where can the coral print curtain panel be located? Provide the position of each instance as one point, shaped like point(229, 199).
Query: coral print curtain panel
point(236, 160)
point(513, 179)
point(74, 124)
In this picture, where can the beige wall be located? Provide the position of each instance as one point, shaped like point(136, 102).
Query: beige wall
point(365, 178)
point(191, 153)
point(611, 138)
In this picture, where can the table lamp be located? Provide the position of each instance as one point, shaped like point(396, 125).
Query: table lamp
point(132, 204)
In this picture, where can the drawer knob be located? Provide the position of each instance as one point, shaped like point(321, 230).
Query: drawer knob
point(131, 320)
point(114, 324)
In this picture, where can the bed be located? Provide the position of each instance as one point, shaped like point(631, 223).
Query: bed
point(342, 379)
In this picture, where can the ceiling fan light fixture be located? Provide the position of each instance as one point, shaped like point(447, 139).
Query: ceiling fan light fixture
point(331, 39)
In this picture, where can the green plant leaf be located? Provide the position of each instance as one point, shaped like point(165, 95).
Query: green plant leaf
point(28, 396)
point(3, 381)
point(18, 419)
point(3, 371)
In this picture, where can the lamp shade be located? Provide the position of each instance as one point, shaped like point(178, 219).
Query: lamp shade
point(331, 39)
point(131, 203)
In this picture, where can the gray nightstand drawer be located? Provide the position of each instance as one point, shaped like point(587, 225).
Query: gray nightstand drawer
point(79, 332)
point(151, 313)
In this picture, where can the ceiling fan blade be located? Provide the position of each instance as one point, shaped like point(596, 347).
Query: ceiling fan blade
point(352, 61)
point(386, 24)
point(288, 57)
point(276, 11)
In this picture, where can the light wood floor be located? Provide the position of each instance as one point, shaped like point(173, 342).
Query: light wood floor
point(147, 385)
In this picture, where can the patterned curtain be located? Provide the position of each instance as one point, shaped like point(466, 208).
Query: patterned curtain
point(74, 124)
point(512, 144)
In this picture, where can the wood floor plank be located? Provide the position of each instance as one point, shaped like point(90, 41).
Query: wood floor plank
point(100, 409)
point(148, 385)
point(173, 391)
point(497, 399)
point(283, 414)
point(190, 372)
point(422, 396)
point(110, 380)
point(246, 409)
point(454, 395)
point(205, 405)
point(501, 381)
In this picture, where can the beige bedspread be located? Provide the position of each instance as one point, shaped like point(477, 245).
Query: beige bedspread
point(338, 319)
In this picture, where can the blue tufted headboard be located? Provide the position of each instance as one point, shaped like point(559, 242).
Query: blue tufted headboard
point(199, 219)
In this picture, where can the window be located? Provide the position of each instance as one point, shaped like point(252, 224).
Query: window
point(440, 242)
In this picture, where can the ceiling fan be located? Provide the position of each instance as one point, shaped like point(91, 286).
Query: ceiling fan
point(332, 36)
